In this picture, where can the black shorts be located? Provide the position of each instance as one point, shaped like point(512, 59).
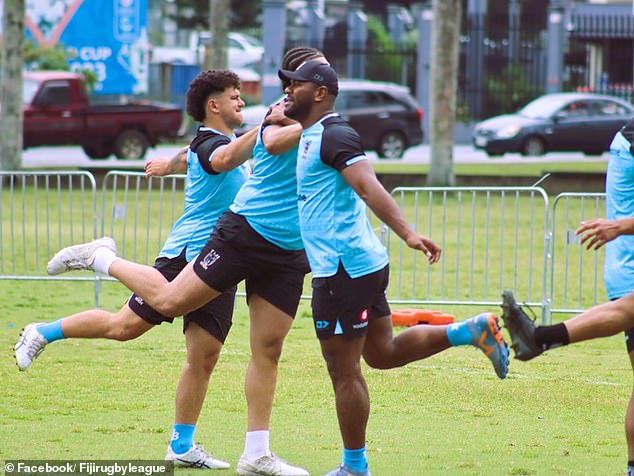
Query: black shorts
point(214, 317)
point(343, 305)
point(237, 252)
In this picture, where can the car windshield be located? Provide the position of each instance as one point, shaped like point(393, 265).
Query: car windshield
point(30, 88)
point(543, 107)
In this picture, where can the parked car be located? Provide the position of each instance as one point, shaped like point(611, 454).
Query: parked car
point(243, 51)
point(385, 115)
point(57, 112)
point(555, 122)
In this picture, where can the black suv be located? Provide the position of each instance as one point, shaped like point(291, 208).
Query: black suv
point(385, 115)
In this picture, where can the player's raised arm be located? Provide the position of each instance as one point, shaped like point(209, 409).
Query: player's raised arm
point(234, 154)
point(280, 133)
point(162, 166)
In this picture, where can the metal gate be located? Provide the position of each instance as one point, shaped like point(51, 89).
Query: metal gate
point(493, 238)
point(576, 274)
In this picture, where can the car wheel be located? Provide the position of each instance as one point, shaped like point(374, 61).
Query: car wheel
point(96, 152)
point(130, 144)
point(391, 145)
point(493, 154)
point(533, 146)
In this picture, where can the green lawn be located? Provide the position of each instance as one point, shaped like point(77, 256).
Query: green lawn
point(448, 415)
point(496, 168)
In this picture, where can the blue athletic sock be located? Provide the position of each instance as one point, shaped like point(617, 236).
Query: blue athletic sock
point(51, 331)
point(182, 438)
point(459, 334)
point(355, 459)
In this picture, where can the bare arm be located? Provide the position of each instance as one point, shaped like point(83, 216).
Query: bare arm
point(363, 180)
point(162, 166)
point(598, 231)
point(280, 139)
point(234, 154)
point(282, 133)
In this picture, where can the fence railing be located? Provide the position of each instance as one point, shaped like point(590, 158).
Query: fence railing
point(576, 282)
point(492, 238)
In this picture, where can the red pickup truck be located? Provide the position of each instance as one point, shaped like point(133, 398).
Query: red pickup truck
point(57, 112)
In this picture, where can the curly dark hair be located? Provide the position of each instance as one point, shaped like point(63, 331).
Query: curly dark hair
point(294, 57)
point(205, 84)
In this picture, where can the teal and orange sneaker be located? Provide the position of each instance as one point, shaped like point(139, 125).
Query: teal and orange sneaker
point(487, 336)
point(345, 471)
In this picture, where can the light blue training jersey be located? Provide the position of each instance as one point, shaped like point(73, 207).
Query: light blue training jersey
point(333, 220)
point(618, 272)
point(268, 200)
point(207, 195)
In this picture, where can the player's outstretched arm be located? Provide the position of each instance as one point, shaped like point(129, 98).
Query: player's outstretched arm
point(280, 133)
point(598, 231)
point(162, 166)
point(234, 154)
point(362, 179)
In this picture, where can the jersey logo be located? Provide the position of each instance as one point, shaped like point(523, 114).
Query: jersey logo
point(209, 259)
point(321, 324)
point(305, 150)
point(301, 197)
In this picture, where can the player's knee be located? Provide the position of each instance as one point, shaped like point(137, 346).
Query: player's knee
point(204, 364)
point(376, 361)
point(268, 354)
point(123, 333)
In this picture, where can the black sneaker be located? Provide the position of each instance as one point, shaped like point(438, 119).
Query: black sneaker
point(521, 328)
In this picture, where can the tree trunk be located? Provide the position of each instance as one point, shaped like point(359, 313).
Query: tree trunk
point(444, 81)
point(216, 52)
point(11, 86)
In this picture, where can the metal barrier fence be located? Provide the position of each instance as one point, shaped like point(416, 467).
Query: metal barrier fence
point(576, 274)
point(139, 212)
point(492, 238)
point(39, 213)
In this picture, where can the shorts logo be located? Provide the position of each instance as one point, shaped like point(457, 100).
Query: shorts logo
point(209, 259)
point(363, 318)
point(321, 324)
point(139, 300)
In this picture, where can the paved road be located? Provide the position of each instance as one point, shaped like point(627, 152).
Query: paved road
point(463, 154)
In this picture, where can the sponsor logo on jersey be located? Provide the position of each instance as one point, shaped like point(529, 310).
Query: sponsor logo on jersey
point(321, 324)
point(209, 259)
point(305, 150)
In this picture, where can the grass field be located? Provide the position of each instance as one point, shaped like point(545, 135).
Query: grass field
point(448, 415)
point(536, 169)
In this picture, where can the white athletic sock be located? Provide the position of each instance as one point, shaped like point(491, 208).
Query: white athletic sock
point(103, 259)
point(256, 444)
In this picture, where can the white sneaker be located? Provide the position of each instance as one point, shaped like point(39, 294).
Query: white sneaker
point(196, 457)
point(78, 256)
point(268, 465)
point(29, 346)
